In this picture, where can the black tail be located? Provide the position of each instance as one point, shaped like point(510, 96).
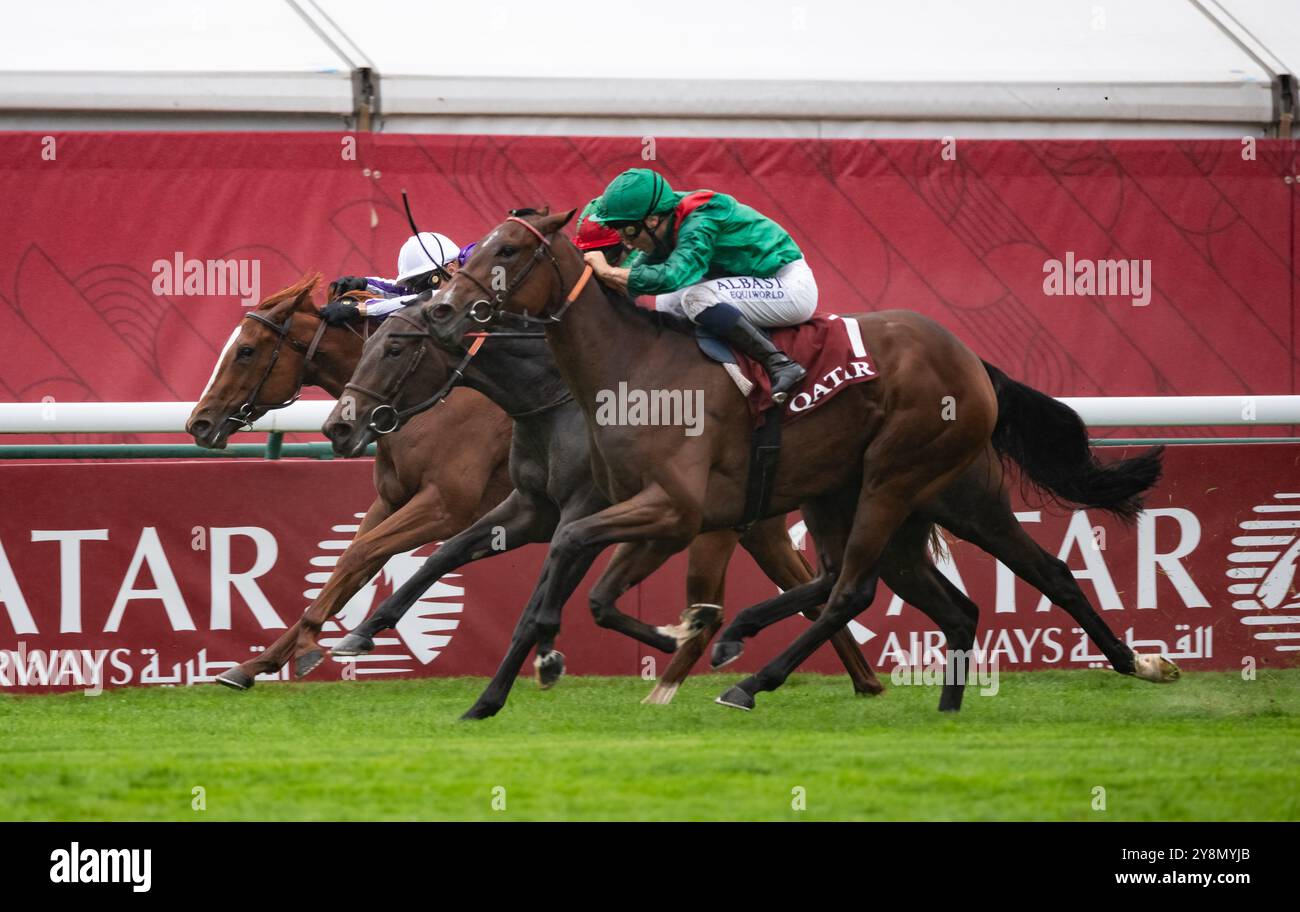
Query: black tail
point(1049, 441)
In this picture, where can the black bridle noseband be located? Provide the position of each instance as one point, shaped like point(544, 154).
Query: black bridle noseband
point(251, 410)
point(386, 417)
point(387, 398)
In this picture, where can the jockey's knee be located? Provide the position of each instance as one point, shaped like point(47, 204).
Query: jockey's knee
point(697, 299)
point(802, 310)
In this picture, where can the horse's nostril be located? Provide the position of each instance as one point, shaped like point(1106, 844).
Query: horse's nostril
point(441, 311)
point(337, 430)
point(199, 428)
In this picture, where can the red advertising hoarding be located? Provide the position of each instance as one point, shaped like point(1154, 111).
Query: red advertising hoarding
point(169, 572)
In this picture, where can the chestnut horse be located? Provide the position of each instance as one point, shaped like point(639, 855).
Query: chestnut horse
point(858, 467)
point(445, 470)
point(435, 477)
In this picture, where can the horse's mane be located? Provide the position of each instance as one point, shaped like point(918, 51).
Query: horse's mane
point(661, 321)
point(306, 285)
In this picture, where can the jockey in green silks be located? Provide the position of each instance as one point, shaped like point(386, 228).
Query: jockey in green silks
point(716, 261)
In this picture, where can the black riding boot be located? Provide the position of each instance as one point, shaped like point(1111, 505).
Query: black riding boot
point(784, 371)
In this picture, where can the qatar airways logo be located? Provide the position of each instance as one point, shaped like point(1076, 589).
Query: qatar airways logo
point(1263, 570)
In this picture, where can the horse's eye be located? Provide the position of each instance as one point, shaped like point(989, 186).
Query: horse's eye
point(393, 351)
point(507, 251)
point(245, 352)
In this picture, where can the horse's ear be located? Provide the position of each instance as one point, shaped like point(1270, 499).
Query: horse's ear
point(553, 223)
point(306, 290)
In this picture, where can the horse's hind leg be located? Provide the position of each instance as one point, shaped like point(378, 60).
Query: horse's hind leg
point(891, 489)
point(705, 584)
point(906, 568)
point(979, 511)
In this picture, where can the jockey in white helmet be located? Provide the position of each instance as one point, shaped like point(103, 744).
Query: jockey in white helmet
point(417, 277)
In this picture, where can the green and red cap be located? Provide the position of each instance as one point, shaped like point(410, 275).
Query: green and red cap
point(634, 195)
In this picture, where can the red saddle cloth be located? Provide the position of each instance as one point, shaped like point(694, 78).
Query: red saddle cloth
point(830, 349)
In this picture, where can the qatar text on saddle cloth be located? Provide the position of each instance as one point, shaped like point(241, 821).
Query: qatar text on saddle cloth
point(830, 349)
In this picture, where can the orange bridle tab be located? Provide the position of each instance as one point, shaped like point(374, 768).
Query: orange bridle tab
point(579, 285)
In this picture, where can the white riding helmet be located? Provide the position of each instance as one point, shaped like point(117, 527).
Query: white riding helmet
point(412, 261)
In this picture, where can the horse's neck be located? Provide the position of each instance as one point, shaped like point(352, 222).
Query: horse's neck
point(335, 360)
point(597, 341)
point(519, 375)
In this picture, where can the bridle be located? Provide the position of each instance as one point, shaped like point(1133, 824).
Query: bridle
point(251, 410)
point(386, 417)
point(488, 309)
point(388, 397)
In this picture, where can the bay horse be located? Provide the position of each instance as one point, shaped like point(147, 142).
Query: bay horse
point(550, 465)
point(437, 474)
point(858, 467)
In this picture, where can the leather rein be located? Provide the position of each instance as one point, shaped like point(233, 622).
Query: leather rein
point(386, 417)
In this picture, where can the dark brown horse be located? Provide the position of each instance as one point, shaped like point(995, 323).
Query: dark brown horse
point(859, 467)
point(435, 477)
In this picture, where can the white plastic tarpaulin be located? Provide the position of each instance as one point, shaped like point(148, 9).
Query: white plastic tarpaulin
point(676, 67)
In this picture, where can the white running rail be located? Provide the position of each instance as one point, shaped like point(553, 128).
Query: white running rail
point(170, 417)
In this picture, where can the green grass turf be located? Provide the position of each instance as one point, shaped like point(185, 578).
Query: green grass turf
point(1210, 747)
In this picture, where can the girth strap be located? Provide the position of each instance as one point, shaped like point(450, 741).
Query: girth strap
point(765, 453)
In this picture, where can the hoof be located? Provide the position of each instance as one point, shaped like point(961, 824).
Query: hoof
point(548, 669)
point(306, 663)
point(736, 699)
point(236, 679)
point(480, 711)
point(354, 644)
point(662, 695)
point(872, 688)
point(1155, 668)
point(725, 652)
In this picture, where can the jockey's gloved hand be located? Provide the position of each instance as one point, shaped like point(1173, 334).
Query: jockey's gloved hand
point(344, 284)
point(340, 311)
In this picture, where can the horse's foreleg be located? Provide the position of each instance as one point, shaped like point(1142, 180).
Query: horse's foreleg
point(273, 658)
point(560, 575)
point(515, 522)
point(769, 544)
point(420, 520)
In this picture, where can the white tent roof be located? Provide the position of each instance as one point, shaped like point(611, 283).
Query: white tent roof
point(738, 67)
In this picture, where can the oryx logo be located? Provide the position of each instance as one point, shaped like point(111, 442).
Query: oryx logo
point(420, 635)
point(77, 865)
point(1265, 567)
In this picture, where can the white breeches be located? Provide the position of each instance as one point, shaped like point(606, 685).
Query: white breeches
point(785, 299)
